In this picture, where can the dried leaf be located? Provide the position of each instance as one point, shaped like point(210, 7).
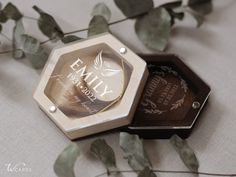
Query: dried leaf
point(134, 151)
point(97, 25)
point(203, 7)
point(11, 12)
point(147, 172)
point(131, 8)
point(48, 25)
point(18, 31)
point(104, 153)
point(185, 152)
point(102, 10)
point(34, 52)
point(153, 29)
point(70, 38)
point(64, 164)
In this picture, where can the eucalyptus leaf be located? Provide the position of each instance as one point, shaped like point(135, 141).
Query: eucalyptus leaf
point(102, 10)
point(132, 8)
point(203, 7)
point(185, 152)
point(48, 25)
point(3, 17)
point(104, 153)
point(134, 151)
point(11, 12)
point(154, 28)
point(33, 51)
point(97, 25)
point(147, 172)
point(70, 38)
point(30, 44)
point(64, 164)
point(39, 58)
point(18, 31)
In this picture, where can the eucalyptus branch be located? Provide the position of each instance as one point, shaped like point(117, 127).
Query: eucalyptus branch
point(67, 33)
point(86, 29)
point(170, 171)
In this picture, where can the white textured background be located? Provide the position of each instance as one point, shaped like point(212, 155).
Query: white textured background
point(27, 135)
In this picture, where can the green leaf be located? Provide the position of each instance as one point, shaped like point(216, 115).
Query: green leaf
point(70, 38)
point(18, 31)
point(185, 152)
point(3, 17)
point(154, 28)
point(203, 7)
point(64, 165)
point(48, 25)
point(30, 44)
point(104, 153)
point(39, 58)
point(97, 25)
point(132, 8)
point(0, 28)
point(147, 172)
point(11, 12)
point(102, 10)
point(134, 151)
point(33, 51)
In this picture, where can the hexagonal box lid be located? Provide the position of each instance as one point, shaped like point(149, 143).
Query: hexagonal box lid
point(91, 86)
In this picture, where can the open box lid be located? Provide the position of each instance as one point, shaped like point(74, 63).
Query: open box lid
point(91, 85)
point(172, 99)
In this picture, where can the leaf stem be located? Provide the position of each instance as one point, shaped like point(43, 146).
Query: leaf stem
point(171, 171)
point(6, 51)
point(30, 18)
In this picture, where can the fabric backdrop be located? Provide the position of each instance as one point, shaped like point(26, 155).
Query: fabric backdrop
point(28, 136)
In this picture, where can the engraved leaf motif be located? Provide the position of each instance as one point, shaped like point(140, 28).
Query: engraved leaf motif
point(106, 71)
point(110, 72)
point(184, 85)
point(98, 62)
point(178, 103)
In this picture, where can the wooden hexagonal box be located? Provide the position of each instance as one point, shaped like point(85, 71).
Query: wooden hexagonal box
point(91, 86)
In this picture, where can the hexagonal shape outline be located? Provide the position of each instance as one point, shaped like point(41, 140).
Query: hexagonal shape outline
point(118, 116)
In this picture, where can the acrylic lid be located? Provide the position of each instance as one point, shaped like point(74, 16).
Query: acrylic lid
point(91, 86)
